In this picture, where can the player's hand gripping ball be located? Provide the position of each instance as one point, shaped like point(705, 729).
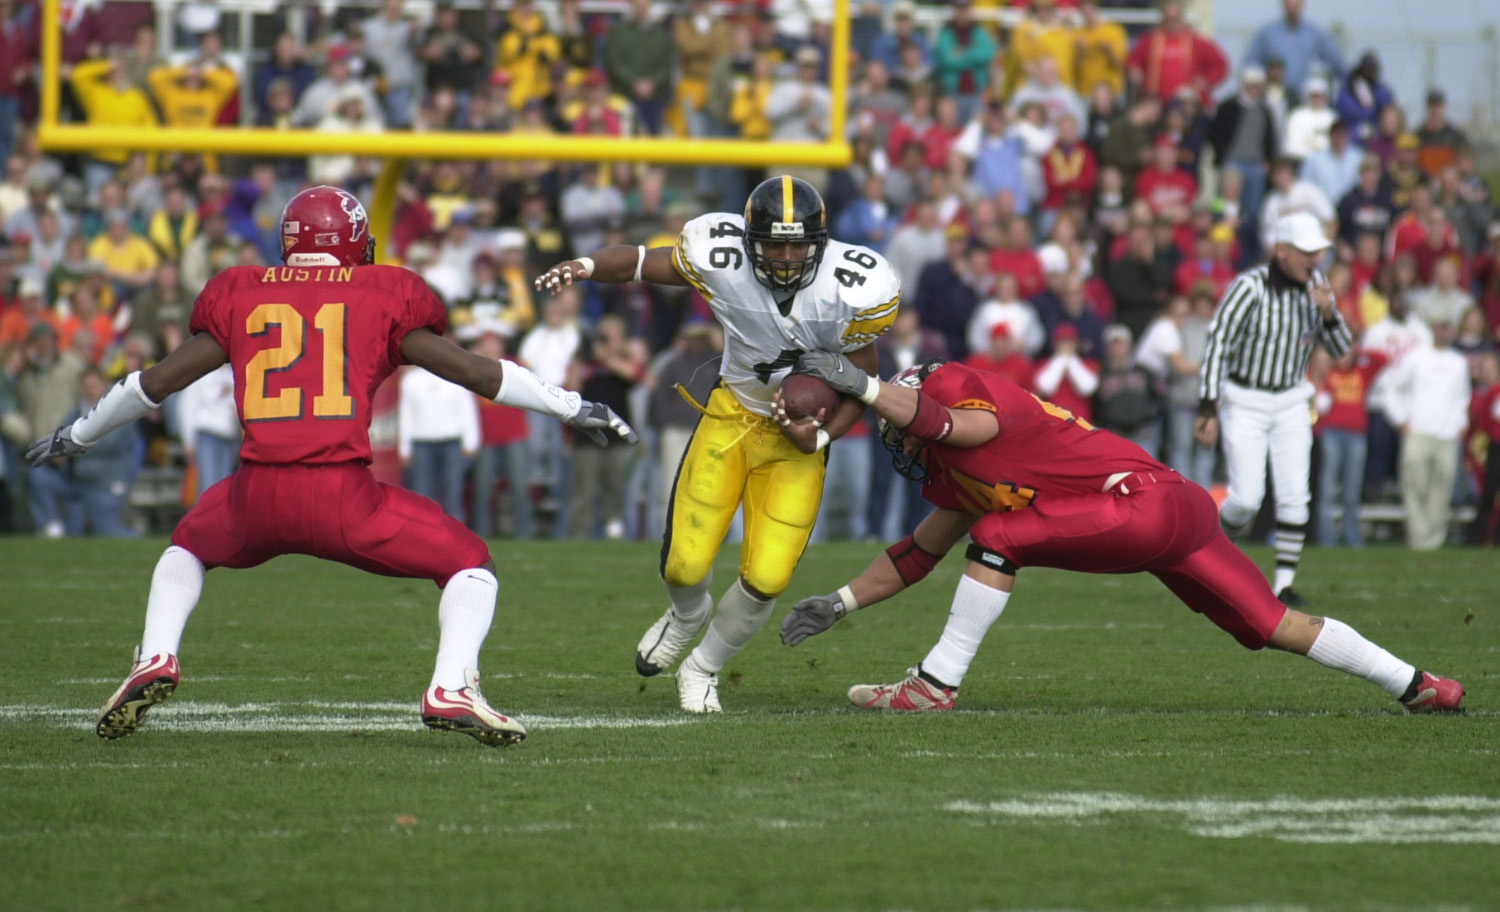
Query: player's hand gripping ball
point(806, 395)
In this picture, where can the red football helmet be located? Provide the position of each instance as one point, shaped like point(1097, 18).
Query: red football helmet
point(326, 226)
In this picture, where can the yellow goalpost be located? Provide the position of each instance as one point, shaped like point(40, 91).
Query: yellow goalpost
point(396, 148)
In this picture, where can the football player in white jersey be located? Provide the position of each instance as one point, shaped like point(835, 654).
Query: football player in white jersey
point(780, 286)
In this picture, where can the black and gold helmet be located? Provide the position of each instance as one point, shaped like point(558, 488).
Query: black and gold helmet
point(785, 210)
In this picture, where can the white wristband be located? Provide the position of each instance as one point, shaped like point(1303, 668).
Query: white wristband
point(640, 261)
point(869, 396)
point(125, 402)
point(846, 595)
point(588, 265)
point(823, 440)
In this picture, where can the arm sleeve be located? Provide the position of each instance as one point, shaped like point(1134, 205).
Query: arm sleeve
point(1050, 377)
point(1225, 328)
point(423, 310)
point(1085, 376)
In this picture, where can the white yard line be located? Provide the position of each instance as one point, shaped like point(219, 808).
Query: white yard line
point(1395, 820)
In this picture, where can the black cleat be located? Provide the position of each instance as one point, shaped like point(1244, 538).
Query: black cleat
point(1290, 598)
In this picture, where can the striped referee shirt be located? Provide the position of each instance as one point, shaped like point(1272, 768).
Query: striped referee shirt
point(1263, 333)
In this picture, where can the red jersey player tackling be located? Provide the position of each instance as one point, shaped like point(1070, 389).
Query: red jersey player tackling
point(309, 343)
point(1033, 486)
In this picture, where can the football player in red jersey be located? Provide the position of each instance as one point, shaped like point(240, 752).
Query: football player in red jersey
point(1033, 486)
point(309, 343)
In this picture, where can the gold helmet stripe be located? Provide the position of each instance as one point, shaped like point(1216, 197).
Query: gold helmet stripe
point(786, 198)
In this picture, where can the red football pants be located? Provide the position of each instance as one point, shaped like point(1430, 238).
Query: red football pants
point(1163, 526)
point(336, 512)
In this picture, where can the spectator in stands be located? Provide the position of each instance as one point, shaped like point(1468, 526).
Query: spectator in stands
point(528, 51)
point(88, 490)
point(437, 436)
point(962, 58)
point(1362, 96)
point(1128, 145)
point(869, 221)
point(747, 110)
point(353, 113)
point(1244, 138)
point(605, 368)
point(1487, 277)
point(1366, 208)
point(454, 58)
point(639, 59)
point(1440, 242)
point(1015, 256)
point(1174, 55)
point(163, 301)
point(1043, 35)
point(1395, 337)
point(47, 246)
point(287, 63)
point(1466, 199)
point(128, 257)
point(890, 47)
point(1211, 264)
point(1484, 416)
point(1281, 97)
point(1046, 86)
point(587, 207)
point(916, 244)
point(1306, 49)
point(1445, 300)
point(875, 98)
point(547, 350)
point(391, 38)
point(173, 227)
point(502, 450)
point(1168, 189)
point(1027, 334)
point(1288, 194)
point(1163, 350)
point(699, 38)
point(1343, 420)
point(46, 388)
point(191, 95)
point(1429, 404)
point(15, 72)
point(1067, 379)
point(108, 99)
point(798, 110)
point(331, 91)
point(1335, 169)
point(948, 291)
point(87, 330)
point(1100, 52)
point(1128, 401)
point(1002, 355)
point(1139, 281)
point(209, 426)
point(1307, 126)
point(1440, 140)
point(998, 155)
point(17, 320)
point(208, 253)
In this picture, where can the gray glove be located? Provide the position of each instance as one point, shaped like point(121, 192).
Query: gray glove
point(595, 418)
point(837, 371)
point(59, 444)
point(811, 616)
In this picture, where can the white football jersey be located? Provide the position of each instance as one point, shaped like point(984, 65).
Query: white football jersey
point(850, 303)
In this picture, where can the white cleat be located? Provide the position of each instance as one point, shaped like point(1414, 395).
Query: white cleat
point(697, 690)
point(663, 643)
point(467, 712)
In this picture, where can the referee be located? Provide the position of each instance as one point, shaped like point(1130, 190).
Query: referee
point(1255, 384)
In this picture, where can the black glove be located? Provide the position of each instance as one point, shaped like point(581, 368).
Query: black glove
point(837, 371)
point(60, 443)
point(811, 616)
point(596, 418)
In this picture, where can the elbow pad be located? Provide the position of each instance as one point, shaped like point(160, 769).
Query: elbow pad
point(912, 563)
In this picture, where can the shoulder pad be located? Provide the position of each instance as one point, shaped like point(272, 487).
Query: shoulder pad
point(872, 305)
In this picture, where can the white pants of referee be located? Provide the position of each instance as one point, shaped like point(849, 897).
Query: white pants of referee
point(1253, 424)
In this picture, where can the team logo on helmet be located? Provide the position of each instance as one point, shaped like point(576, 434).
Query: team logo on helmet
point(357, 217)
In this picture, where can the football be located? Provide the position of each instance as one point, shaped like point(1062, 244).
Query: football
point(806, 395)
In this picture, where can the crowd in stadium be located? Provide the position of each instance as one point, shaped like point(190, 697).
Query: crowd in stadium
point(1064, 201)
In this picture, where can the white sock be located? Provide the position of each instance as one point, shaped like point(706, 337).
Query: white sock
point(176, 585)
point(1340, 646)
point(735, 621)
point(1284, 578)
point(692, 603)
point(975, 607)
point(464, 615)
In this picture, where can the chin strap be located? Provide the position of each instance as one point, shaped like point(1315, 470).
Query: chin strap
point(124, 403)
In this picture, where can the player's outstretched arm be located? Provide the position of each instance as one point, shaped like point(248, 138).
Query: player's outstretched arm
point(621, 263)
point(921, 417)
point(132, 399)
point(511, 384)
point(901, 565)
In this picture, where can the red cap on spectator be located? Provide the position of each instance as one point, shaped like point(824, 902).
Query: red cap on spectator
point(1065, 332)
point(1000, 331)
point(338, 52)
point(500, 78)
point(594, 79)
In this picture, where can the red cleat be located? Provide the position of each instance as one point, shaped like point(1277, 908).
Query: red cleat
point(465, 711)
point(915, 694)
point(151, 681)
point(1435, 695)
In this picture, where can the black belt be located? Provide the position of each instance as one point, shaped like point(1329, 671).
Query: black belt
point(1241, 381)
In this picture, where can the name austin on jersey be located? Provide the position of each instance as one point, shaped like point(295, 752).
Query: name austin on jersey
point(851, 302)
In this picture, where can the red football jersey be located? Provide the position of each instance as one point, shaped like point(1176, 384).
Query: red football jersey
point(1041, 449)
point(309, 345)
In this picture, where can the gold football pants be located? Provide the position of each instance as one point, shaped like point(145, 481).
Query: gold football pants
point(737, 456)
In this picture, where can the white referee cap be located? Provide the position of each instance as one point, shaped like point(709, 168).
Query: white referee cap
point(1303, 231)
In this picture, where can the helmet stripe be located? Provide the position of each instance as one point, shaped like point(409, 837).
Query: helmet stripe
point(786, 199)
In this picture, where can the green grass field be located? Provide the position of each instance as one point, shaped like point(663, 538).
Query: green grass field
point(1111, 750)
